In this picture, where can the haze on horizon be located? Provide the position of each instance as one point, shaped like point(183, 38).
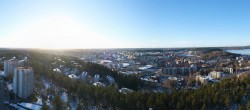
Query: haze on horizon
point(69, 24)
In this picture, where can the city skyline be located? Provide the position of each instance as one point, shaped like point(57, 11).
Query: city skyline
point(63, 24)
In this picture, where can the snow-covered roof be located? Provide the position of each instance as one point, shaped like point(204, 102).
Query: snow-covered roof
point(125, 64)
point(172, 78)
point(73, 76)
point(106, 61)
point(145, 67)
point(125, 90)
point(57, 70)
point(99, 84)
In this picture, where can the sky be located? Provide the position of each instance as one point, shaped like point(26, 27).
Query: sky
point(77, 24)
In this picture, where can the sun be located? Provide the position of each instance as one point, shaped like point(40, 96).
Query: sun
point(56, 32)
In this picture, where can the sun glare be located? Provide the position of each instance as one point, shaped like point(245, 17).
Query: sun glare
point(57, 32)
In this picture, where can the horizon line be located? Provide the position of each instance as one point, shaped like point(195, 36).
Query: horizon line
point(30, 48)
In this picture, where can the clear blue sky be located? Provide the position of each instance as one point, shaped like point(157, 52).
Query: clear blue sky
point(127, 23)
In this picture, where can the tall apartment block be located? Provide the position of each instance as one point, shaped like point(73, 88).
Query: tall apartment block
point(9, 66)
point(23, 81)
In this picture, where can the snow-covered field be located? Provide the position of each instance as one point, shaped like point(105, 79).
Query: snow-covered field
point(46, 84)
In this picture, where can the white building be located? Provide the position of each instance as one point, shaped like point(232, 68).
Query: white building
point(229, 70)
point(84, 75)
point(9, 66)
point(96, 78)
point(216, 75)
point(202, 79)
point(23, 81)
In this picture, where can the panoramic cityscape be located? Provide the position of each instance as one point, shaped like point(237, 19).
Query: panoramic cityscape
point(124, 55)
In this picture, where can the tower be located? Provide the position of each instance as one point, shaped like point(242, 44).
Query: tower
point(23, 81)
point(9, 66)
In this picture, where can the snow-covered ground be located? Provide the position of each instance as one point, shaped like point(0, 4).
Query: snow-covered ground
point(46, 84)
point(31, 106)
point(64, 97)
point(73, 105)
point(27, 105)
point(39, 100)
point(17, 107)
point(209, 77)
